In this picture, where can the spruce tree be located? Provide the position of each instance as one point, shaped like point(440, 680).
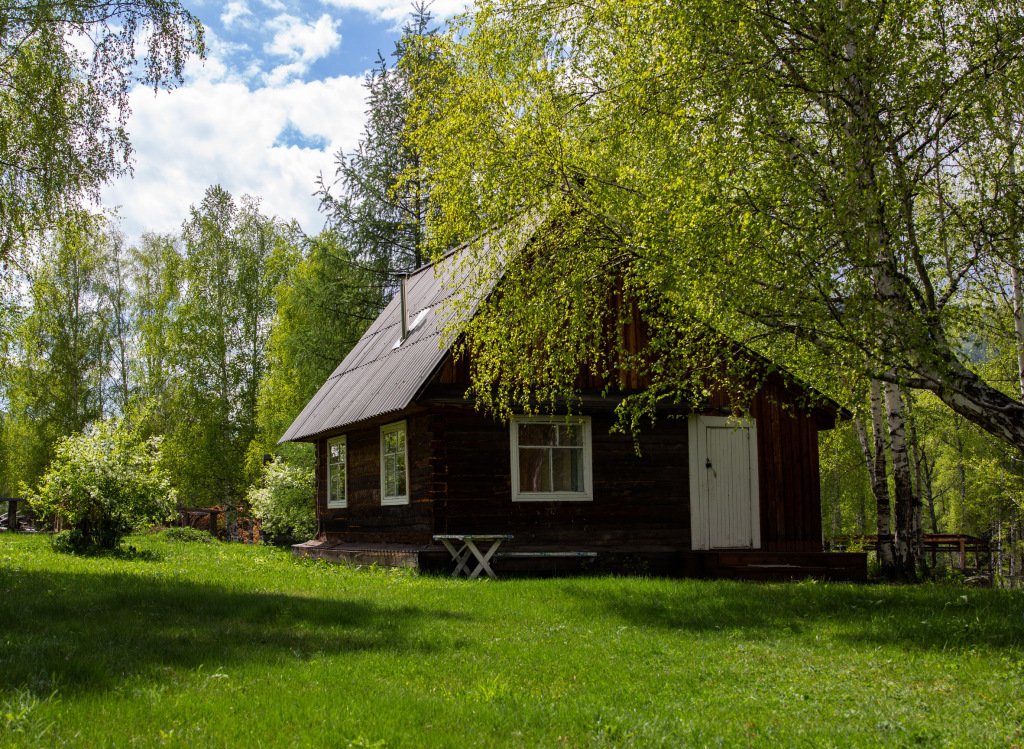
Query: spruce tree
point(379, 217)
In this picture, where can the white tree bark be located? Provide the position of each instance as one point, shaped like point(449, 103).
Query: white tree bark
point(875, 458)
point(903, 546)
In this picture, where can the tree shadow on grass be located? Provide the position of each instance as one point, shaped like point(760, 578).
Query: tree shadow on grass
point(925, 617)
point(91, 631)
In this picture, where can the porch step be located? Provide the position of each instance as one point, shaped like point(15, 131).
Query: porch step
point(849, 567)
point(383, 555)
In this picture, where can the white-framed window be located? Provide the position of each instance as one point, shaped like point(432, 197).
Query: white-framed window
point(394, 464)
point(337, 472)
point(551, 459)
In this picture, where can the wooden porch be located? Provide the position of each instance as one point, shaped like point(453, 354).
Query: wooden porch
point(641, 560)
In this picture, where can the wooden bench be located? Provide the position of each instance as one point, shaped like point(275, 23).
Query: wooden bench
point(546, 554)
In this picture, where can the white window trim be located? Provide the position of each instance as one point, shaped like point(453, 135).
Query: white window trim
point(343, 441)
point(387, 429)
point(587, 495)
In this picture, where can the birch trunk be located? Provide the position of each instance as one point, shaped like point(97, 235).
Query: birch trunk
point(1013, 231)
point(917, 530)
point(903, 547)
point(929, 471)
point(874, 457)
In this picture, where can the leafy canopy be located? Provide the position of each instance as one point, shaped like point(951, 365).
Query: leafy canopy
point(66, 70)
point(283, 501)
point(829, 184)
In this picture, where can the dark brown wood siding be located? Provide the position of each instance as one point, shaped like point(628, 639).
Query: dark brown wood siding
point(365, 520)
point(639, 501)
point(788, 477)
point(460, 482)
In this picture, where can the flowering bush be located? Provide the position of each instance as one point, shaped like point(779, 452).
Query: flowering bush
point(284, 504)
point(104, 483)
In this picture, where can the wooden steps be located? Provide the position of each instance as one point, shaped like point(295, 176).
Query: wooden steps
point(383, 555)
point(766, 566)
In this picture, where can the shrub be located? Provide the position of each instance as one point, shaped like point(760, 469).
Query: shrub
point(105, 483)
point(284, 504)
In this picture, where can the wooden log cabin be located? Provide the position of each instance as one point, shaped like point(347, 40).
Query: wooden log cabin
point(401, 456)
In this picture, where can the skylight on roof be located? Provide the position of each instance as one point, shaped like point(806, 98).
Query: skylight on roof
point(415, 324)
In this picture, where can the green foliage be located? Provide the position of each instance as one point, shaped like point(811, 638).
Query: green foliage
point(234, 260)
point(155, 274)
point(66, 74)
point(826, 184)
point(103, 483)
point(284, 503)
point(379, 215)
point(59, 347)
point(847, 505)
point(322, 309)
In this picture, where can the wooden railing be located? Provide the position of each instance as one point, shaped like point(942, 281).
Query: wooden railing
point(933, 543)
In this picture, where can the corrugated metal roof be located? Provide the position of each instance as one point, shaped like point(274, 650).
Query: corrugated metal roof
point(377, 377)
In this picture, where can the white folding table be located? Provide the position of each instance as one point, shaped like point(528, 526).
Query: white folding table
point(468, 551)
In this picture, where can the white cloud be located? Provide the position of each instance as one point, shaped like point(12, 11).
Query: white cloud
point(300, 41)
point(235, 10)
point(214, 130)
point(396, 11)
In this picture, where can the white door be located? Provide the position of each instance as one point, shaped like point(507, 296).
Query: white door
point(724, 499)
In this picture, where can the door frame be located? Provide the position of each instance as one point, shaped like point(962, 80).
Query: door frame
point(700, 530)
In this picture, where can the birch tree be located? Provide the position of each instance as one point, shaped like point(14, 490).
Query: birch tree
point(66, 70)
point(799, 177)
point(234, 259)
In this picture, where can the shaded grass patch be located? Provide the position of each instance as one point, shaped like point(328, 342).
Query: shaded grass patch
point(228, 645)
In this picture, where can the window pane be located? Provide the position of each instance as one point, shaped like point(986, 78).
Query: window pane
point(332, 488)
point(335, 449)
point(399, 475)
point(534, 470)
point(393, 442)
point(567, 467)
point(389, 476)
point(570, 435)
point(536, 434)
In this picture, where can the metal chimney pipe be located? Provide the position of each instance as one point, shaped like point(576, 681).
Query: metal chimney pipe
point(405, 307)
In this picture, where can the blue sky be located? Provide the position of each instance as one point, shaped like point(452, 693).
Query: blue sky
point(279, 93)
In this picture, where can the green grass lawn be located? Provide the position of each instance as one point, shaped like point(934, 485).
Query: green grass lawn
point(230, 645)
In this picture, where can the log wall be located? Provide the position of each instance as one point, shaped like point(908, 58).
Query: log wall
point(639, 501)
point(365, 520)
point(460, 482)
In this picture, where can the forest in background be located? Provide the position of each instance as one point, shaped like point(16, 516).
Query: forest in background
point(215, 337)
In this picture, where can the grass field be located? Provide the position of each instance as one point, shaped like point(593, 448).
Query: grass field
point(230, 645)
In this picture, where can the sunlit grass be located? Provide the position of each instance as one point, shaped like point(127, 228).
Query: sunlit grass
point(229, 645)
